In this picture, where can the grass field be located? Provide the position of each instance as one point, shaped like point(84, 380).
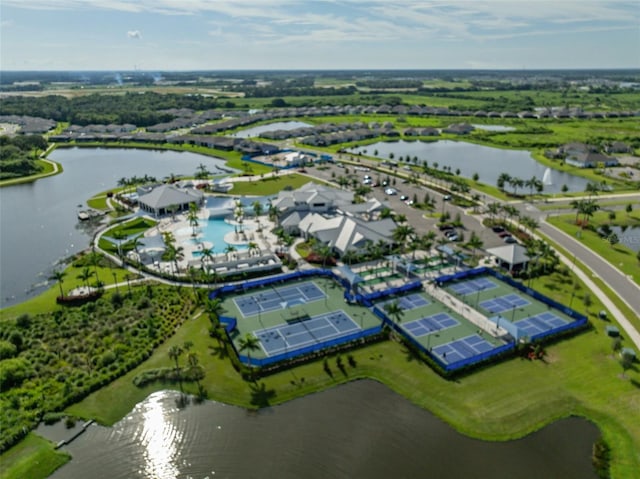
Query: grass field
point(271, 185)
point(33, 457)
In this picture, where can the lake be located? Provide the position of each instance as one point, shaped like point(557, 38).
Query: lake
point(279, 125)
point(358, 430)
point(38, 221)
point(470, 158)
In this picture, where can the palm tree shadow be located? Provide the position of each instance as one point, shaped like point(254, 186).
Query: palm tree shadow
point(635, 383)
point(410, 354)
point(219, 351)
point(260, 395)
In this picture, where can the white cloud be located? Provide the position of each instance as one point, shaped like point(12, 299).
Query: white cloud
point(134, 34)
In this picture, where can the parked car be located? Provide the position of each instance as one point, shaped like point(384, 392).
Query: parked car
point(446, 198)
point(504, 234)
point(409, 202)
point(404, 198)
point(510, 239)
point(390, 191)
point(497, 229)
point(444, 227)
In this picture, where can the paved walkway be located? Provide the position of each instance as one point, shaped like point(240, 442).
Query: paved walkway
point(464, 310)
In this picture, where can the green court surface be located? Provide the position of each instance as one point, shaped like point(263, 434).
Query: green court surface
point(332, 300)
point(484, 301)
point(462, 329)
point(374, 272)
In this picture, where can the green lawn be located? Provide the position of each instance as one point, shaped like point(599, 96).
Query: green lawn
point(271, 185)
point(504, 401)
point(33, 457)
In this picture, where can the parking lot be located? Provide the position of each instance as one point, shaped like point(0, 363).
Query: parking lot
point(415, 217)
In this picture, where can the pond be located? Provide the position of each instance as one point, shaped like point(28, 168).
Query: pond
point(494, 127)
point(359, 430)
point(279, 125)
point(39, 225)
point(470, 158)
point(628, 236)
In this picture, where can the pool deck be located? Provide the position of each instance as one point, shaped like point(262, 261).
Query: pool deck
point(179, 227)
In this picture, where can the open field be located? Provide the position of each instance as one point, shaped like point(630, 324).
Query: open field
point(34, 457)
point(271, 185)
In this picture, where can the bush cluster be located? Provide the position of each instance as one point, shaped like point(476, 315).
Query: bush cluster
point(62, 356)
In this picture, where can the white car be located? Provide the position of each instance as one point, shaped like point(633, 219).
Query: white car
point(390, 192)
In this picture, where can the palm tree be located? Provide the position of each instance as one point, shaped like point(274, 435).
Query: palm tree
point(252, 246)
point(400, 235)
point(202, 172)
point(214, 309)
point(588, 210)
point(503, 178)
point(94, 260)
point(493, 209)
point(400, 218)
point(192, 217)
point(248, 343)
point(394, 311)
point(229, 249)
point(175, 352)
point(257, 208)
point(592, 189)
point(206, 254)
point(323, 251)
point(173, 209)
point(529, 223)
point(474, 243)
point(59, 277)
point(515, 184)
point(85, 275)
point(577, 205)
point(532, 183)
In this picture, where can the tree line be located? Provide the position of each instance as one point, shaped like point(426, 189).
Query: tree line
point(18, 155)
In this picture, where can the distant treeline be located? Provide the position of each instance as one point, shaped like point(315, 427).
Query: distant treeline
point(18, 155)
point(140, 109)
point(280, 91)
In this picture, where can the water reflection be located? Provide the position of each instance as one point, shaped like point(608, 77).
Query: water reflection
point(360, 430)
point(159, 438)
point(470, 159)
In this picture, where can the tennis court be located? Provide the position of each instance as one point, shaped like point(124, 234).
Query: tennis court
point(462, 348)
point(504, 303)
point(274, 299)
point(305, 332)
point(409, 302)
point(541, 323)
point(470, 286)
point(430, 324)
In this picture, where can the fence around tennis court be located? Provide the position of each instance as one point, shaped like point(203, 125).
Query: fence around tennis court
point(580, 320)
point(230, 323)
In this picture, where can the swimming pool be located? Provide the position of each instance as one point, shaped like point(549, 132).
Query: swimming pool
point(213, 231)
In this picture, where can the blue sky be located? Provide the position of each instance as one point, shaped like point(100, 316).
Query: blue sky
point(317, 34)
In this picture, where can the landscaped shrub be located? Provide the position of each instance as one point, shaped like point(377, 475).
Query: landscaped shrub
point(74, 351)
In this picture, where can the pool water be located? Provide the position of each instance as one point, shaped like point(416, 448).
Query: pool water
point(214, 231)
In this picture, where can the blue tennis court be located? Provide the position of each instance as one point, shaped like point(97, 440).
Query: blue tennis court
point(540, 323)
point(274, 299)
point(504, 303)
point(305, 332)
point(473, 286)
point(430, 324)
point(463, 348)
point(411, 301)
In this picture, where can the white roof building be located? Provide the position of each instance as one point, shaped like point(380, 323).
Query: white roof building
point(159, 201)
